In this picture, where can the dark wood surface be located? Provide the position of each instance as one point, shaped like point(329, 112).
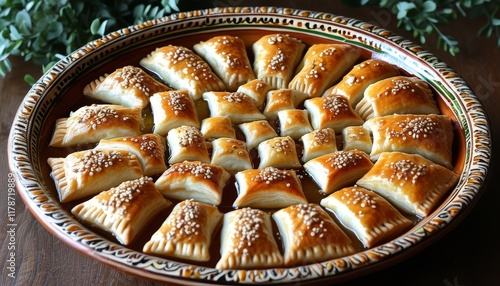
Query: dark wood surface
point(466, 255)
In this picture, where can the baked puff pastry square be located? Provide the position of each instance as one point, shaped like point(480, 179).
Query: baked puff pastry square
point(149, 148)
point(410, 182)
point(217, 127)
point(357, 137)
point(193, 180)
point(397, 95)
point(268, 188)
point(124, 210)
point(281, 99)
point(367, 214)
point(354, 83)
point(230, 154)
point(318, 142)
point(228, 58)
point(322, 66)
point(279, 152)
point(173, 109)
point(182, 69)
point(276, 57)
point(294, 122)
point(187, 232)
point(310, 235)
point(430, 136)
point(128, 86)
point(247, 241)
point(332, 111)
point(236, 105)
point(86, 173)
point(338, 169)
point(186, 143)
point(257, 90)
point(89, 124)
point(256, 132)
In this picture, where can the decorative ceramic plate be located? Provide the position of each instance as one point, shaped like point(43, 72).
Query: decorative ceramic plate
point(59, 91)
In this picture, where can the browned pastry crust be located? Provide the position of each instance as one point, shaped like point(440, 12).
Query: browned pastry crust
point(333, 111)
point(410, 182)
point(367, 214)
point(228, 58)
point(310, 235)
point(338, 169)
point(322, 66)
point(428, 135)
point(193, 180)
point(187, 232)
point(128, 86)
point(172, 109)
point(268, 188)
point(89, 124)
point(247, 241)
point(149, 148)
point(125, 210)
point(86, 173)
point(276, 57)
point(354, 83)
point(397, 95)
point(181, 68)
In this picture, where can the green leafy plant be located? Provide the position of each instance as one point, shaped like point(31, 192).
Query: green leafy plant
point(424, 17)
point(42, 31)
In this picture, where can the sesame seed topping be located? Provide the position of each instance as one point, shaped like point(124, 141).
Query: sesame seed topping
point(341, 159)
point(185, 221)
point(133, 77)
point(414, 128)
point(335, 104)
point(123, 194)
point(235, 97)
point(249, 224)
point(94, 161)
point(282, 145)
point(195, 66)
point(271, 174)
point(177, 101)
point(356, 197)
point(312, 219)
point(278, 61)
point(98, 114)
point(194, 168)
point(322, 136)
point(190, 136)
point(406, 170)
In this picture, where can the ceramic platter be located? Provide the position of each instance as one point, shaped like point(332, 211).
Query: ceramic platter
point(59, 91)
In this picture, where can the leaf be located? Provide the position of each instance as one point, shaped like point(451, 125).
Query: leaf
point(94, 26)
point(429, 6)
point(54, 30)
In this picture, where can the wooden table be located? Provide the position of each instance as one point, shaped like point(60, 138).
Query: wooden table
point(467, 255)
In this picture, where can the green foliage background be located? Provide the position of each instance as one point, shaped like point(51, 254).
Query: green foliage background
point(44, 31)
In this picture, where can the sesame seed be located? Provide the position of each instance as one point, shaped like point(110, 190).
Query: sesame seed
point(185, 220)
point(406, 170)
point(271, 174)
point(322, 136)
point(342, 159)
point(190, 136)
point(132, 77)
point(194, 168)
point(98, 114)
point(249, 224)
point(335, 104)
point(94, 161)
point(123, 194)
point(415, 128)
